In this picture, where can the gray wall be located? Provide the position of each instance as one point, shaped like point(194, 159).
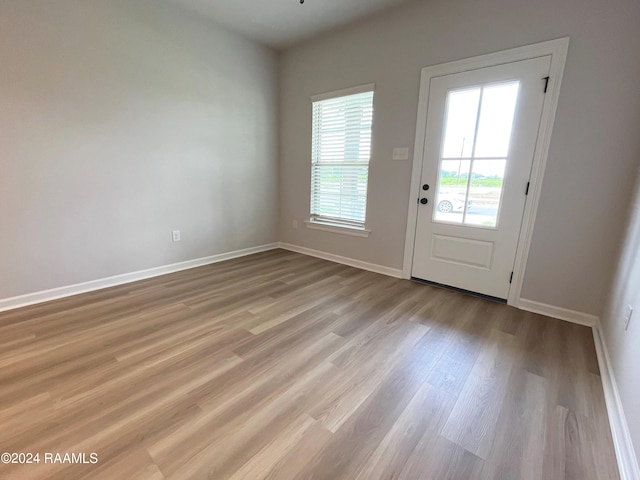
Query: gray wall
point(623, 345)
point(123, 120)
point(594, 146)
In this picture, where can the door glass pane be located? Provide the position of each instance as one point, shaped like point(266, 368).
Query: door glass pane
point(460, 124)
point(473, 163)
point(496, 120)
point(451, 191)
point(485, 191)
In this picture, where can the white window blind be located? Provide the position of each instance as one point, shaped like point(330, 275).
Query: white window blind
point(341, 150)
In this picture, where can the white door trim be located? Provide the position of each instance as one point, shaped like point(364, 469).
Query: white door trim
point(558, 51)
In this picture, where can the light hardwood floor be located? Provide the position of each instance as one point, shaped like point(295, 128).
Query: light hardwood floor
point(282, 366)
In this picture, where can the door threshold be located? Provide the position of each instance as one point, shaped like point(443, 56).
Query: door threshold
point(461, 290)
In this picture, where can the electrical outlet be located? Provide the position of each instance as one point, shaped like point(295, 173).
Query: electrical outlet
point(176, 235)
point(627, 317)
point(294, 224)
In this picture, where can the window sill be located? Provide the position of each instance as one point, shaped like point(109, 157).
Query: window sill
point(337, 228)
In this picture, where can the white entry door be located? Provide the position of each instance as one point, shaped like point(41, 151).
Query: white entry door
point(480, 139)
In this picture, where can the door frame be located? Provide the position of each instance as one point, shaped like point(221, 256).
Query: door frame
point(557, 49)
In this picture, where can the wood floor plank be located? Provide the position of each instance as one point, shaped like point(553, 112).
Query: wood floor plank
point(417, 420)
point(240, 440)
point(282, 366)
point(312, 441)
point(259, 466)
point(347, 391)
point(472, 424)
point(521, 429)
point(228, 409)
point(438, 458)
point(357, 439)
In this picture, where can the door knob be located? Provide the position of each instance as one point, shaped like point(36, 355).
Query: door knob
point(424, 201)
point(425, 187)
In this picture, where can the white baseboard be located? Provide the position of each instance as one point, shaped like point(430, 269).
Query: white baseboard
point(627, 461)
point(70, 290)
point(372, 267)
point(558, 312)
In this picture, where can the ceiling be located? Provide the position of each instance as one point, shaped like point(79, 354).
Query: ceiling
point(282, 23)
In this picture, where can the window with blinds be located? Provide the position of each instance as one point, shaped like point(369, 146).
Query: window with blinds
point(341, 149)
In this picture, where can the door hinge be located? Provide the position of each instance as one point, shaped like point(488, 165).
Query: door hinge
point(526, 192)
point(546, 83)
point(511, 278)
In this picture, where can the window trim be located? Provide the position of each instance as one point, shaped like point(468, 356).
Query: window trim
point(354, 231)
point(337, 226)
point(369, 87)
